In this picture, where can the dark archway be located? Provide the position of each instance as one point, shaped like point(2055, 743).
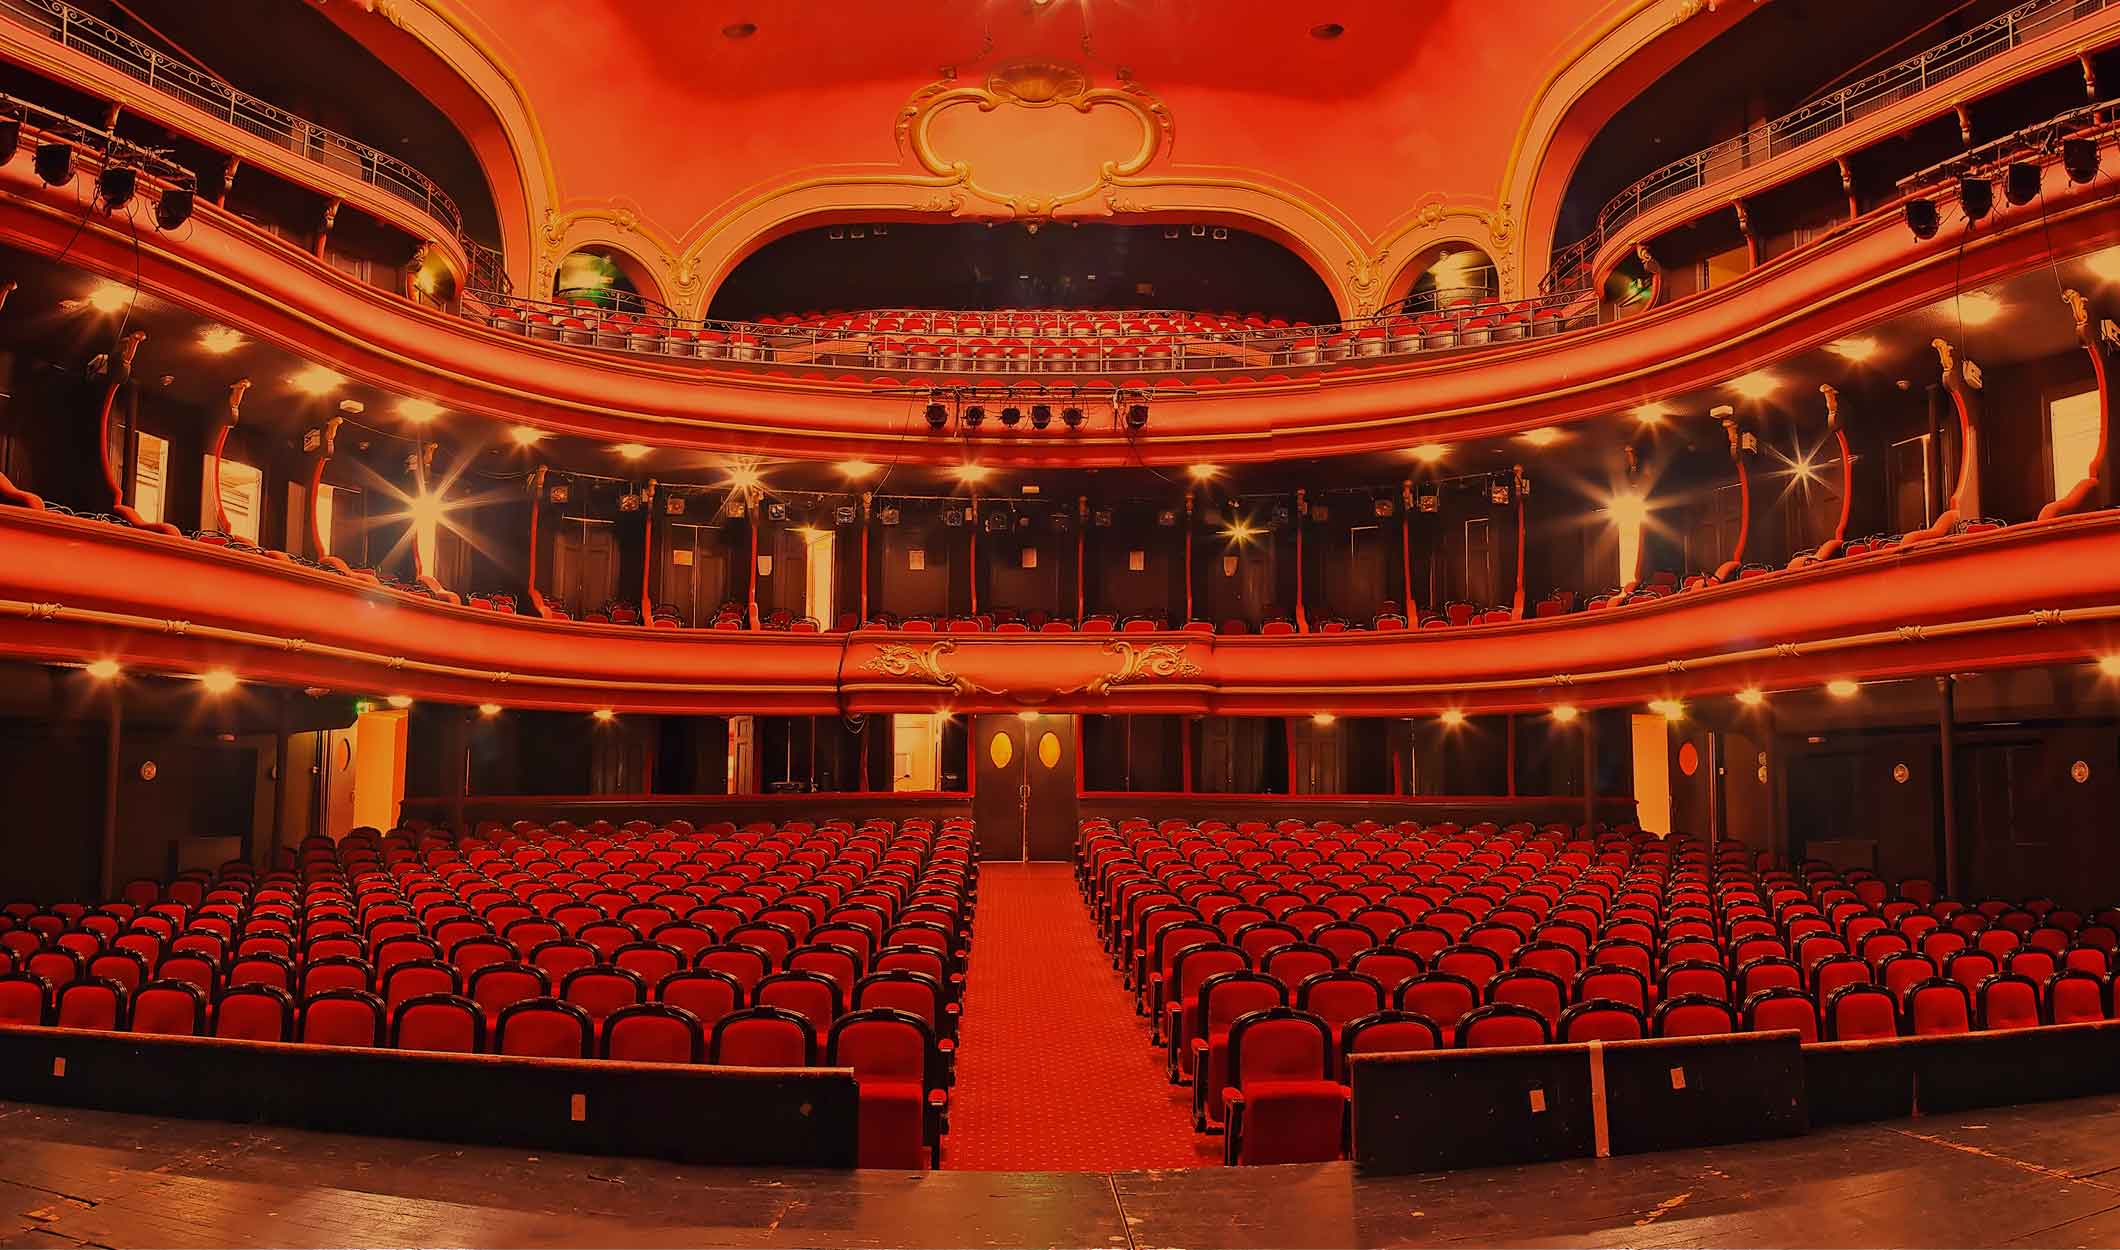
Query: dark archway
point(974, 266)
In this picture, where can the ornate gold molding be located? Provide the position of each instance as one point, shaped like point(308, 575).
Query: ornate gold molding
point(1033, 85)
point(1153, 661)
point(922, 664)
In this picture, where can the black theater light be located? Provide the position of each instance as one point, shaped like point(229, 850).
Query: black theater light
point(1136, 416)
point(2080, 158)
point(937, 416)
point(1976, 196)
point(975, 416)
point(843, 515)
point(174, 208)
point(1041, 416)
point(115, 186)
point(10, 138)
point(1921, 218)
point(54, 163)
point(1010, 415)
point(2020, 185)
point(776, 511)
point(1071, 416)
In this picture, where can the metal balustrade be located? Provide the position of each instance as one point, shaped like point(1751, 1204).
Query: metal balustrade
point(95, 38)
point(2022, 24)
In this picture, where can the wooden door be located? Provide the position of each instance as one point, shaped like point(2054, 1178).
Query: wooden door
point(584, 564)
point(1024, 791)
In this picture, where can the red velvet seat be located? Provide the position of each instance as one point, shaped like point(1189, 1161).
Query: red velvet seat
point(544, 1027)
point(763, 1037)
point(1938, 1007)
point(2074, 997)
point(1283, 1104)
point(91, 1003)
point(330, 1018)
point(442, 1021)
point(1503, 1024)
point(1781, 1007)
point(1692, 1015)
point(1602, 1020)
point(893, 1057)
point(2007, 1001)
point(653, 1033)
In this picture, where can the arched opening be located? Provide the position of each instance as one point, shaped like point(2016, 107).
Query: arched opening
point(1459, 274)
point(607, 278)
point(1192, 267)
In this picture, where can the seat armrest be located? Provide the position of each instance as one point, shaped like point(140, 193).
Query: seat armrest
point(1232, 1126)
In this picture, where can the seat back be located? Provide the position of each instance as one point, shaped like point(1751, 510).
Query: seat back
point(496, 986)
point(1937, 1007)
point(2007, 1000)
point(707, 994)
point(812, 995)
point(442, 1021)
point(1613, 983)
point(1692, 1015)
point(171, 1008)
point(546, 1027)
point(763, 1037)
point(1861, 1012)
point(1535, 988)
point(1279, 1044)
point(91, 1003)
point(1442, 997)
point(2074, 996)
point(1781, 1007)
point(330, 1018)
point(1602, 1020)
point(1503, 1024)
point(654, 1033)
point(1390, 1032)
point(416, 978)
point(601, 990)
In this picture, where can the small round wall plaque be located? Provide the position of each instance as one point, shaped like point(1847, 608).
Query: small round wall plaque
point(2080, 772)
point(147, 770)
point(1900, 773)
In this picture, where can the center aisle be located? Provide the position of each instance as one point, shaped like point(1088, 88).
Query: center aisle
point(1055, 1071)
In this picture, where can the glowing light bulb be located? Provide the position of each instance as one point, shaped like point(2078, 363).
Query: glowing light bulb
point(1565, 713)
point(419, 411)
point(217, 681)
point(1842, 688)
point(220, 340)
point(489, 709)
point(1452, 717)
point(400, 701)
point(1429, 453)
point(524, 436)
point(1751, 696)
point(104, 670)
point(109, 297)
point(1543, 436)
point(316, 380)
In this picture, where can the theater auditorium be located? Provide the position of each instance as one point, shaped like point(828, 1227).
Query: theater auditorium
point(1059, 622)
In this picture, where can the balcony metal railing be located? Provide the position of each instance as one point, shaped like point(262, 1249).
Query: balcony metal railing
point(95, 38)
point(989, 347)
point(1823, 116)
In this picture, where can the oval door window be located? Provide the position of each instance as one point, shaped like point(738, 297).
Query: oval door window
point(1049, 749)
point(1001, 750)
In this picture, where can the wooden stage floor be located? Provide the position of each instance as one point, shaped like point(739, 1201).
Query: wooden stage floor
point(2040, 1175)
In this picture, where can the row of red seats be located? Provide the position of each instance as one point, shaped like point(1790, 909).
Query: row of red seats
point(1488, 936)
point(762, 945)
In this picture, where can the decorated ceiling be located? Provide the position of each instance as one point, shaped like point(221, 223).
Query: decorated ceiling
point(1366, 135)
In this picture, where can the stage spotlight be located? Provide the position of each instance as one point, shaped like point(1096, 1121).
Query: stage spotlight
point(1071, 416)
point(174, 208)
point(116, 185)
point(10, 138)
point(1011, 415)
point(54, 163)
point(975, 416)
point(1976, 196)
point(2021, 184)
point(1921, 218)
point(2080, 158)
point(1136, 416)
point(937, 416)
point(1041, 416)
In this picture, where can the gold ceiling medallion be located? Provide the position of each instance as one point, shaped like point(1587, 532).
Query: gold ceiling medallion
point(993, 151)
point(1155, 660)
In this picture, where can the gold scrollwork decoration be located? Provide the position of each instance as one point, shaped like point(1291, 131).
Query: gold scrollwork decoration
point(45, 611)
point(1156, 660)
point(922, 664)
point(1034, 85)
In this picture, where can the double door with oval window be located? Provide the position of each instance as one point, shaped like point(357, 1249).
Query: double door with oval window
point(1024, 768)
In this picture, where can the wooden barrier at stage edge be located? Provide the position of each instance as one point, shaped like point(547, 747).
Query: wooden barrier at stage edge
point(762, 1117)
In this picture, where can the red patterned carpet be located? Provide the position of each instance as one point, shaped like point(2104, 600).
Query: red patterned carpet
point(1055, 1071)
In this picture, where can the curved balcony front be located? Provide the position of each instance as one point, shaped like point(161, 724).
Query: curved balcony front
point(242, 276)
point(78, 590)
